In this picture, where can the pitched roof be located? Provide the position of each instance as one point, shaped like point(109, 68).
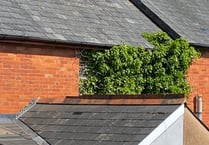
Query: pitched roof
point(115, 122)
point(96, 124)
point(187, 18)
point(13, 133)
point(103, 23)
point(91, 21)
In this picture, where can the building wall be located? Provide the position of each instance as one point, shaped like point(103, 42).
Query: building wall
point(173, 135)
point(194, 132)
point(198, 77)
point(36, 71)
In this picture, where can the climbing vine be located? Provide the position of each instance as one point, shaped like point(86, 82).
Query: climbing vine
point(127, 69)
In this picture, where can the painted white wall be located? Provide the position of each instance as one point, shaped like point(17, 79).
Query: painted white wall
point(172, 135)
point(169, 132)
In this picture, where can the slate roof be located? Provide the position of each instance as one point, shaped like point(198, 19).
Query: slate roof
point(103, 22)
point(11, 133)
point(106, 22)
point(95, 124)
point(188, 18)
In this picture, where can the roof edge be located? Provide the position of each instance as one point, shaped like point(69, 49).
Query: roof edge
point(140, 96)
point(145, 99)
point(161, 24)
point(63, 43)
point(70, 44)
point(155, 19)
point(163, 126)
point(34, 136)
point(200, 121)
point(200, 45)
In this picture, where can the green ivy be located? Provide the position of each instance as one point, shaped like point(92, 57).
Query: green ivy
point(127, 69)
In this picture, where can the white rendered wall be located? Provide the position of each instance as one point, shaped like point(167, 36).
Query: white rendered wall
point(172, 136)
point(169, 132)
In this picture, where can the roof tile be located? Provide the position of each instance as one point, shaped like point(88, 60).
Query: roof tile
point(189, 18)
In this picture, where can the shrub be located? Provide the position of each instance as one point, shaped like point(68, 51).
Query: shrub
point(127, 69)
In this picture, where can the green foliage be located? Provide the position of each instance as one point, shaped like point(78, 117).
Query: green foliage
point(128, 69)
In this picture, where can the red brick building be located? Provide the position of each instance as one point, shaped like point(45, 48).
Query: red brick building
point(198, 78)
point(41, 42)
point(188, 19)
point(35, 71)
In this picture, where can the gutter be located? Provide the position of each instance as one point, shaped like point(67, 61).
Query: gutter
point(71, 44)
point(91, 45)
point(61, 43)
point(200, 45)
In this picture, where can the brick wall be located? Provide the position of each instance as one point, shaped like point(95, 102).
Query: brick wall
point(32, 71)
point(198, 77)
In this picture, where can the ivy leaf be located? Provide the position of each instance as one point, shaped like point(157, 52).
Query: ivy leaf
point(127, 69)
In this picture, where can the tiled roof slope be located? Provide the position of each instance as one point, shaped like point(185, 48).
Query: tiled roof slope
point(189, 18)
point(11, 133)
point(95, 124)
point(105, 22)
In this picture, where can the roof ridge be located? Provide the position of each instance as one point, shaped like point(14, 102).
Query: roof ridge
point(143, 99)
point(155, 19)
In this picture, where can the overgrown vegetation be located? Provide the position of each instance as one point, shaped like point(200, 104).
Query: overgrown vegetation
point(127, 69)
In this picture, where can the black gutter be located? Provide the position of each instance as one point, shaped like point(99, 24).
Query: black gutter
point(77, 44)
point(200, 45)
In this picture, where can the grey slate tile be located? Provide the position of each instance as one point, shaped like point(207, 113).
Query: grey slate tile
point(12, 134)
point(103, 18)
point(186, 17)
